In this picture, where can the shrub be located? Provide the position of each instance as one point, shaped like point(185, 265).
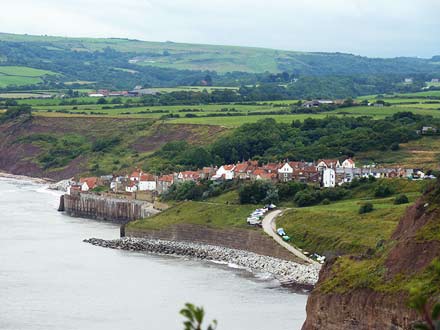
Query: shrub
point(306, 198)
point(326, 201)
point(366, 208)
point(395, 146)
point(383, 190)
point(401, 199)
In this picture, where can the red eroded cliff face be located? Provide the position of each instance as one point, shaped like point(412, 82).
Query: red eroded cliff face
point(380, 304)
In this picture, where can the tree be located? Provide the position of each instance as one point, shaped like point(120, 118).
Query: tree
point(194, 318)
point(101, 101)
point(401, 199)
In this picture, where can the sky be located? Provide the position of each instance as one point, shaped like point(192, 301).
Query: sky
point(376, 28)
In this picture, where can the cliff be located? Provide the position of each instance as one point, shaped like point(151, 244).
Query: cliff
point(372, 291)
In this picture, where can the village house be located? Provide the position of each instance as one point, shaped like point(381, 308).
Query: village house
point(118, 183)
point(328, 178)
point(261, 174)
point(327, 163)
point(188, 176)
point(316, 103)
point(287, 170)
point(348, 163)
point(131, 187)
point(164, 183)
point(88, 183)
point(135, 175)
point(147, 182)
point(306, 174)
point(208, 172)
point(225, 172)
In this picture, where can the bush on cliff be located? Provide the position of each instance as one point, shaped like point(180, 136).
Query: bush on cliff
point(15, 112)
point(401, 199)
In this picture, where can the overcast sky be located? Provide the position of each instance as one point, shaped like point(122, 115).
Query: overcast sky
point(384, 28)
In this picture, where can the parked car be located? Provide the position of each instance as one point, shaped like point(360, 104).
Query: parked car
point(286, 238)
point(254, 222)
point(281, 232)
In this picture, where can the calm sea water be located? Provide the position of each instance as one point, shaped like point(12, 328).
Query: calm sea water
point(50, 279)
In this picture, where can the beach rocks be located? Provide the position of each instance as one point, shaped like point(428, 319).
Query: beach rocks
point(288, 272)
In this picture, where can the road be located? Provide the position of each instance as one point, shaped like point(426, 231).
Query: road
point(269, 227)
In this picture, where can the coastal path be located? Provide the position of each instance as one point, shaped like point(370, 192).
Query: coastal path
point(269, 227)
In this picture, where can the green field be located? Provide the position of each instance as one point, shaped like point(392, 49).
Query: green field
point(21, 76)
point(215, 215)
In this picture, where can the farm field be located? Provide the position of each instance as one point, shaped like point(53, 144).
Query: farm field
point(20, 75)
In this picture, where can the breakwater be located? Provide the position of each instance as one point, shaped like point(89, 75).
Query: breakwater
point(86, 205)
point(255, 241)
point(304, 276)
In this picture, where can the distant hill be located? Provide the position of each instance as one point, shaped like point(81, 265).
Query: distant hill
point(130, 61)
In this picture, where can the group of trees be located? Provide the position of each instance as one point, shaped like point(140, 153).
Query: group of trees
point(267, 140)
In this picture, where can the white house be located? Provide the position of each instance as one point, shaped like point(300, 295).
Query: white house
point(328, 163)
point(147, 182)
point(329, 178)
point(348, 163)
point(285, 173)
point(225, 171)
point(131, 187)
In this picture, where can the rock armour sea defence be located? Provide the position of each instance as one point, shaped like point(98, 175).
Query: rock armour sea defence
point(287, 272)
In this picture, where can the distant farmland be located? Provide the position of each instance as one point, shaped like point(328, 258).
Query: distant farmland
point(21, 76)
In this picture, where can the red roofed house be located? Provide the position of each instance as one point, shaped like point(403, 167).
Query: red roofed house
point(225, 172)
point(147, 182)
point(188, 176)
point(88, 183)
point(327, 163)
point(164, 183)
point(135, 175)
point(272, 167)
point(348, 163)
point(262, 174)
point(208, 172)
point(241, 171)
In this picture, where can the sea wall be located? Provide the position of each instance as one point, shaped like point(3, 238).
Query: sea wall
point(287, 272)
point(98, 207)
point(242, 239)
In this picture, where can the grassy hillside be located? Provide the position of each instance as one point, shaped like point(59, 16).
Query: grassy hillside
point(21, 76)
point(129, 57)
point(60, 148)
point(339, 228)
point(215, 215)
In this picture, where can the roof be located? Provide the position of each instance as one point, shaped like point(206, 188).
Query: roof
point(241, 167)
point(166, 178)
point(297, 164)
point(147, 177)
point(328, 161)
point(349, 160)
point(91, 182)
point(272, 166)
point(190, 174)
point(228, 167)
point(135, 174)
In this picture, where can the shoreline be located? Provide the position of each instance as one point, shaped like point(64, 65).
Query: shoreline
point(290, 274)
point(26, 178)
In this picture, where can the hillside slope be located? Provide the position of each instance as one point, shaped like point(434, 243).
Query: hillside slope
point(372, 291)
point(128, 59)
point(59, 148)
